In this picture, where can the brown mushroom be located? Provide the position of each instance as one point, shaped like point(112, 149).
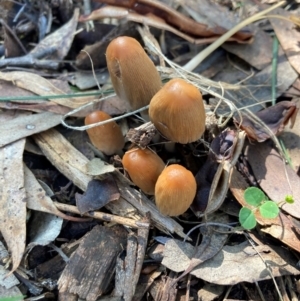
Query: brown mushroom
point(133, 75)
point(175, 190)
point(177, 111)
point(143, 166)
point(108, 138)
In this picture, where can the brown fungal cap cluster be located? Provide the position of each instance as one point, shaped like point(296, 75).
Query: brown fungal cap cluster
point(177, 112)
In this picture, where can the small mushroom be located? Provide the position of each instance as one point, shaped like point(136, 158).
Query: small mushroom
point(108, 138)
point(177, 111)
point(143, 166)
point(133, 75)
point(175, 190)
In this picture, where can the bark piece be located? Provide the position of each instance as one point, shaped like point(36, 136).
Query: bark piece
point(92, 265)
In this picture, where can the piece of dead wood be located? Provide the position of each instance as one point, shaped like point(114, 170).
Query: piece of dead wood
point(25, 126)
point(70, 162)
point(52, 268)
point(13, 200)
point(142, 135)
point(129, 270)
point(91, 267)
point(104, 216)
point(164, 290)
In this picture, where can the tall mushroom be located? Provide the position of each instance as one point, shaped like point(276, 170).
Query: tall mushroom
point(177, 111)
point(133, 75)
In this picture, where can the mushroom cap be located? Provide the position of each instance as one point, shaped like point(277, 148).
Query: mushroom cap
point(108, 137)
point(177, 111)
point(144, 167)
point(133, 75)
point(175, 190)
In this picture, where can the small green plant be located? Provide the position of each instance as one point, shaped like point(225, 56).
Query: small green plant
point(257, 199)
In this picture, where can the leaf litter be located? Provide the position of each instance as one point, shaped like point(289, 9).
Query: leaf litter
point(215, 259)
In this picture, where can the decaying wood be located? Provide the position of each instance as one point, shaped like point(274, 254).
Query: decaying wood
point(53, 268)
point(92, 265)
point(128, 271)
point(164, 290)
point(70, 162)
point(142, 135)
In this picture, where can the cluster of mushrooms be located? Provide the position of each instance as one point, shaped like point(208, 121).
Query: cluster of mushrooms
point(177, 112)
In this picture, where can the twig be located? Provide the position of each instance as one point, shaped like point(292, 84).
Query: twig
point(105, 216)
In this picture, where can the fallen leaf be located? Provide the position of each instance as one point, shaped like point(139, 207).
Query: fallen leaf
point(288, 36)
point(211, 243)
point(41, 87)
point(61, 40)
point(97, 195)
point(38, 200)
point(275, 178)
point(97, 167)
point(233, 264)
point(13, 200)
point(24, 126)
point(158, 22)
point(43, 229)
point(291, 141)
point(274, 118)
point(6, 281)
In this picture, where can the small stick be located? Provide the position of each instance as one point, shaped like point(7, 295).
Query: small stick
point(105, 217)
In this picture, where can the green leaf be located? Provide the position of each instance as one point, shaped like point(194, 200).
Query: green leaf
point(254, 196)
point(247, 218)
point(269, 209)
point(289, 199)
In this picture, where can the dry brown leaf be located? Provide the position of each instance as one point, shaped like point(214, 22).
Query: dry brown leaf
point(23, 126)
point(233, 264)
point(274, 118)
point(275, 178)
point(13, 200)
point(39, 201)
point(288, 36)
point(220, 184)
point(176, 19)
point(61, 40)
point(157, 22)
point(40, 86)
point(291, 140)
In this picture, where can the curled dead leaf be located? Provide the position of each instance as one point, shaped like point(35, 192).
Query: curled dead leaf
point(263, 124)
